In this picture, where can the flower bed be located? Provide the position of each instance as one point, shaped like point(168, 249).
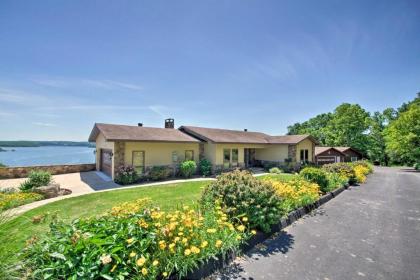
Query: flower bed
point(14, 199)
point(136, 241)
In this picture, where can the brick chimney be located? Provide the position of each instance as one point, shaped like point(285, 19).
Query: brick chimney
point(169, 123)
point(140, 124)
point(245, 129)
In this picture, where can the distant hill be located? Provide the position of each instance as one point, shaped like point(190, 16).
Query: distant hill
point(45, 143)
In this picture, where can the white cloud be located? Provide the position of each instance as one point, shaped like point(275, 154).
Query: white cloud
point(44, 124)
point(161, 110)
point(87, 83)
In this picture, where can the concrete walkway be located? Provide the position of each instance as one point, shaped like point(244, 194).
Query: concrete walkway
point(367, 232)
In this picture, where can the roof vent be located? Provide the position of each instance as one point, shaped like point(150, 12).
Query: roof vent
point(245, 129)
point(140, 124)
point(169, 123)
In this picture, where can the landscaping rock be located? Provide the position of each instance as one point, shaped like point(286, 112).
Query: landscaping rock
point(49, 191)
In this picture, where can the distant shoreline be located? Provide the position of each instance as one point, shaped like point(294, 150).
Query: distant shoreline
point(22, 144)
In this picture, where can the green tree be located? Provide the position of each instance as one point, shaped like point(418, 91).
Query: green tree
point(376, 150)
point(349, 127)
point(314, 126)
point(403, 135)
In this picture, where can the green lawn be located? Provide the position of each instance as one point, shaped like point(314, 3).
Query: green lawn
point(14, 233)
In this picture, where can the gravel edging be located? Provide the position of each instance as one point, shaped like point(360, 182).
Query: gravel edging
point(219, 262)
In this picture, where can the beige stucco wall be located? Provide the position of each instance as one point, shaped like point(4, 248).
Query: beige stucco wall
point(159, 153)
point(214, 152)
point(305, 144)
point(273, 152)
point(101, 143)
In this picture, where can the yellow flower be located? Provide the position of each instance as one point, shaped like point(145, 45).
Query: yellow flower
point(253, 232)
point(187, 252)
point(241, 227)
point(184, 240)
point(238, 237)
point(177, 239)
point(195, 250)
point(133, 254)
point(219, 243)
point(244, 219)
point(155, 262)
point(185, 207)
point(162, 244)
point(141, 261)
point(204, 244)
point(165, 274)
point(211, 230)
point(144, 271)
point(180, 233)
point(129, 241)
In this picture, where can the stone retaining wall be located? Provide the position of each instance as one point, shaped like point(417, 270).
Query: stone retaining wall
point(23, 171)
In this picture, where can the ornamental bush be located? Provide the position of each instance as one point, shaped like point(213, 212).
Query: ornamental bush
point(342, 168)
point(363, 163)
point(360, 172)
point(36, 179)
point(295, 193)
point(335, 181)
point(316, 175)
point(126, 175)
point(141, 243)
point(205, 167)
point(241, 193)
point(275, 170)
point(159, 173)
point(188, 168)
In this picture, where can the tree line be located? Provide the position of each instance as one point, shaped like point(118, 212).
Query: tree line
point(388, 137)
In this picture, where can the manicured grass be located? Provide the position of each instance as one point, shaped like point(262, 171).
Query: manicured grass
point(280, 177)
point(14, 233)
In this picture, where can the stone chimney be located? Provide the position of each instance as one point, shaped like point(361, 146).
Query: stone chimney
point(140, 124)
point(169, 123)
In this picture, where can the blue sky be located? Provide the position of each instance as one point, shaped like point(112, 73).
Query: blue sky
point(261, 65)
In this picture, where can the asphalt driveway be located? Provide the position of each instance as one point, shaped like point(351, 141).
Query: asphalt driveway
point(367, 232)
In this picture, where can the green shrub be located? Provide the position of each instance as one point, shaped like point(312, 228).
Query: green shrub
point(188, 168)
point(144, 244)
point(126, 175)
point(335, 181)
point(159, 173)
point(268, 165)
point(242, 194)
point(2, 165)
point(36, 179)
point(316, 175)
point(342, 168)
point(205, 167)
point(275, 170)
point(363, 163)
point(417, 166)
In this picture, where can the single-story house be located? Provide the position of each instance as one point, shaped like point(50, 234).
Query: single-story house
point(351, 154)
point(324, 155)
point(145, 147)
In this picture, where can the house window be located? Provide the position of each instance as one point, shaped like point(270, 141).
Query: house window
point(138, 161)
point(353, 158)
point(304, 155)
point(189, 155)
point(226, 158)
point(235, 157)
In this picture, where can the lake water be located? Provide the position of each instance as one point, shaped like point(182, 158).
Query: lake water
point(46, 155)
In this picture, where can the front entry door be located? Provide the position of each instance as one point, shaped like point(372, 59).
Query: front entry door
point(249, 157)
